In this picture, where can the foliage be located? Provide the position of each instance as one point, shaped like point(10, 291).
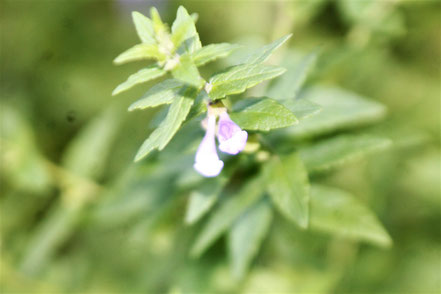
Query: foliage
point(334, 191)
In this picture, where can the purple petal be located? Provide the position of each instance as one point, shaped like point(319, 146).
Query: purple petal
point(207, 162)
point(232, 139)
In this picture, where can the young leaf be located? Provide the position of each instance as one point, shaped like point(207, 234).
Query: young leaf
point(187, 71)
point(262, 114)
point(336, 151)
point(177, 113)
point(238, 78)
point(144, 75)
point(247, 234)
point(340, 109)
point(138, 52)
point(288, 185)
point(337, 212)
point(203, 198)
point(302, 108)
point(159, 27)
point(262, 54)
point(212, 52)
point(144, 28)
point(162, 93)
point(228, 211)
point(288, 85)
point(184, 28)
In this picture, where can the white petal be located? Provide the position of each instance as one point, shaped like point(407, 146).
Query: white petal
point(209, 168)
point(235, 144)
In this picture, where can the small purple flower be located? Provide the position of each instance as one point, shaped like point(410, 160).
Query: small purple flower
point(207, 162)
point(232, 138)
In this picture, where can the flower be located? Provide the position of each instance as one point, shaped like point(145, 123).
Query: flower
point(207, 162)
point(232, 138)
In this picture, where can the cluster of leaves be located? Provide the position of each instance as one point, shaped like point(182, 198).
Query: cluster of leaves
point(281, 167)
point(78, 216)
point(181, 53)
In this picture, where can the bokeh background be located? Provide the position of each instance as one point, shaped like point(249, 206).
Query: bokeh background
point(67, 147)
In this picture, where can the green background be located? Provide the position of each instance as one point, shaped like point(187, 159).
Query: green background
point(67, 147)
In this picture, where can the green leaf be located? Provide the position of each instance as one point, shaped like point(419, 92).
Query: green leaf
point(340, 110)
point(144, 28)
point(22, 164)
point(187, 71)
point(203, 198)
point(337, 212)
point(159, 27)
point(212, 52)
point(262, 54)
point(302, 108)
point(336, 151)
point(57, 226)
point(288, 185)
point(144, 75)
point(247, 234)
point(162, 93)
point(262, 114)
point(138, 52)
point(183, 29)
point(177, 113)
point(88, 152)
point(238, 78)
point(199, 107)
point(288, 85)
point(225, 215)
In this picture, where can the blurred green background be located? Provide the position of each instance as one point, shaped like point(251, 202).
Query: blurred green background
point(67, 147)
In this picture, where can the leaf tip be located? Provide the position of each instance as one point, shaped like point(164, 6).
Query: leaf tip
point(135, 14)
point(181, 9)
point(154, 14)
point(138, 157)
point(116, 91)
point(117, 60)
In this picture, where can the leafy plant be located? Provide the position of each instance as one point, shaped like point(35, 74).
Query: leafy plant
point(293, 134)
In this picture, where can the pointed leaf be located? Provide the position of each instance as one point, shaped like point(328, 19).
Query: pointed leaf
point(337, 212)
point(87, 154)
point(238, 78)
point(195, 17)
point(262, 54)
point(225, 215)
point(144, 28)
point(262, 114)
point(212, 52)
point(183, 29)
point(288, 185)
point(199, 107)
point(288, 85)
point(247, 234)
point(336, 151)
point(187, 71)
point(203, 198)
point(138, 52)
point(162, 93)
point(159, 27)
point(340, 109)
point(142, 76)
point(177, 113)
